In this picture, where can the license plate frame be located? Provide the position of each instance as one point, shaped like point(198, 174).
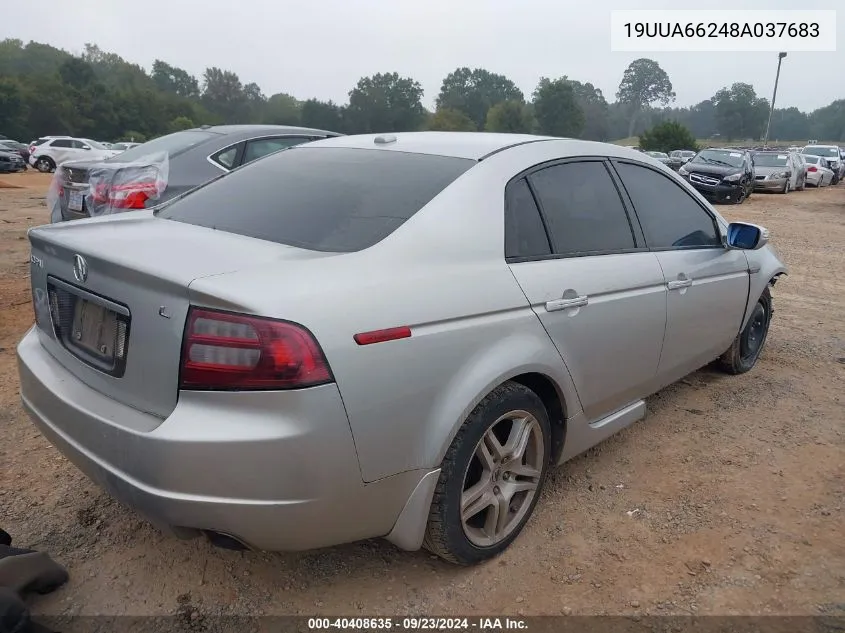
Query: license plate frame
point(76, 200)
point(94, 330)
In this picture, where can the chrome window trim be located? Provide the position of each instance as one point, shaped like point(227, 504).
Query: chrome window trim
point(247, 140)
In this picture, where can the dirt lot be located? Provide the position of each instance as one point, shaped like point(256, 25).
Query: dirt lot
point(737, 486)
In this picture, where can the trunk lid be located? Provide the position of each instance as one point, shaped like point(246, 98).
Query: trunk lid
point(111, 297)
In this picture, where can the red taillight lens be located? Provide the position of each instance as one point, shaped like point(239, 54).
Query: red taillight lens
point(128, 196)
point(811, 168)
point(224, 350)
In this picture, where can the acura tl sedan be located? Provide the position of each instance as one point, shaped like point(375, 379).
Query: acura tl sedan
point(382, 336)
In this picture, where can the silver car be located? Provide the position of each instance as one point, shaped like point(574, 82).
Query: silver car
point(779, 171)
point(382, 336)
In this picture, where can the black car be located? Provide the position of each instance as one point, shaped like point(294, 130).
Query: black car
point(18, 148)
point(721, 175)
point(11, 162)
point(131, 180)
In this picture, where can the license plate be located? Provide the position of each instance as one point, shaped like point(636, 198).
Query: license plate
point(75, 201)
point(94, 329)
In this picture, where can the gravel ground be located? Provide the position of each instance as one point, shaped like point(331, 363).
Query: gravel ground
point(727, 499)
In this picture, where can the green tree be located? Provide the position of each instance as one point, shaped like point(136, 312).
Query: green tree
point(594, 106)
point(133, 137)
point(790, 124)
point(828, 123)
point(13, 109)
point(451, 120)
point(475, 91)
point(643, 83)
point(666, 137)
point(223, 94)
point(282, 109)
point(323, 115)
point(385, 102)
point(556, 108)
point(509, 116)
point(740, 113)
point(181, 123)
point(175, 80)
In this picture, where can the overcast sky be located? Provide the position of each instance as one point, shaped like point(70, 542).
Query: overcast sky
point(320, 48)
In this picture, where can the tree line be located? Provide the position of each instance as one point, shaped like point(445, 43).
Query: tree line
point(46, 90)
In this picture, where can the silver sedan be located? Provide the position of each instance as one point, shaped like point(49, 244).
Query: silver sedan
point(382, 336)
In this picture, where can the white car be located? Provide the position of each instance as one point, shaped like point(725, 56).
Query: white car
point(122, 147)
point(46, 156)
point(831, 153)
point(818, 174)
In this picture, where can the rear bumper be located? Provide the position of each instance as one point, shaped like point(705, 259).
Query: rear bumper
point(276, 470)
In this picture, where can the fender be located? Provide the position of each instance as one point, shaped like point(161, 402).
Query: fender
point(527, 350)
point(764, 267)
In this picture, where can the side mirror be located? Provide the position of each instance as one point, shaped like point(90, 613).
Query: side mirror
point(748, 237)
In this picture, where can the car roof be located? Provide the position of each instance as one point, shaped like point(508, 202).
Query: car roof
point(259, 129)
point(472, 145)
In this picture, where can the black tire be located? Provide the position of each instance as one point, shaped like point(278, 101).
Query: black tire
point(743, 195)
point(785, 187)
point(744, 352)
point(445, 534)
point(45, 164)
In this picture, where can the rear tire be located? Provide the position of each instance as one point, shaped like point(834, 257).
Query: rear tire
point(743, 353)
point(482, 500)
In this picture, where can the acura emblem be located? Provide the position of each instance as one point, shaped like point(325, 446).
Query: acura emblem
point(80, 268)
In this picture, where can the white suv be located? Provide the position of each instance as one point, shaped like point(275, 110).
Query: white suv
point(46, 156)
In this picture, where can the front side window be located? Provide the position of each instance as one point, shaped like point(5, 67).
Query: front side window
point(670, 216)
point(582, 208)
point(525, 235)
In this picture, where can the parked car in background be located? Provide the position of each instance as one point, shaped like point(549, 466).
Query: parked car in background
point(778, 171)
point(122, 147)
point(669, 161)
point(819, 173)
point(11, 161)
point(43, 139)
point(684, 154)
point(721, 175)
point(193, 157)
point(22, 150)
point(53, 152)
point(261, 326)
point(831, 154)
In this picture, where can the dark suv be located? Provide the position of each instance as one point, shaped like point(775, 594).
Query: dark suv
point(136, 179)
point(721, 175)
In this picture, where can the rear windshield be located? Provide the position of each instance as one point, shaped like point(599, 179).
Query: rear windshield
point(817, 150)
point(322, 199)
point(173, 144)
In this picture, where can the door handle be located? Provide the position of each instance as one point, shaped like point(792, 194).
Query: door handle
point(565, 304)
point(680, 283)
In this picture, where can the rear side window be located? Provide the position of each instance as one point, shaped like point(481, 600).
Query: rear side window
point(583, 210)
point(173, 144)
point(60, 142)
point(323, 199)
point(670, 217)
point(262, 147)
point(525, 235)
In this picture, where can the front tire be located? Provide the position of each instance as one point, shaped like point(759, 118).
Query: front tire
point(45, 164)
point(491, 477)
point(743, 353)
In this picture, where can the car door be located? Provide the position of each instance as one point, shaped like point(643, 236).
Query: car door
point(60, 150)
point(260, 147)
point(707, 283)
point(583, 265)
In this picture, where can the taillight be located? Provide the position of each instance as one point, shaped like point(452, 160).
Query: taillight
point(811, 168)
point(127, 196)
point(229, 351)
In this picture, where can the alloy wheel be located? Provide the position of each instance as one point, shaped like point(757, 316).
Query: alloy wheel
point(502, 478)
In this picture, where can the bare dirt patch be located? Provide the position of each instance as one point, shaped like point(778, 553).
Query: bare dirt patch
point(728, 499)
